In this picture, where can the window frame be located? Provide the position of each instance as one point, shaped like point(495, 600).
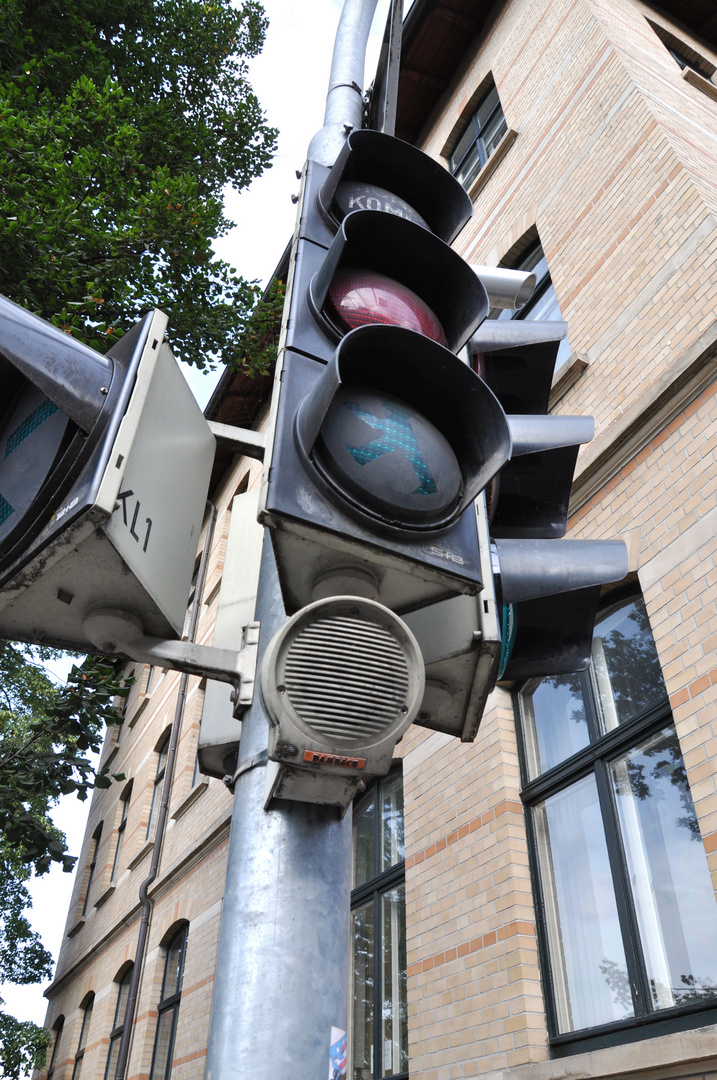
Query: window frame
point(162, 753)
point(57, 1028)
point(84, 1031)
point(478, 141)
point(96, 841)
point(170, 1002)
point(121, 828)
point(594, 760)
point(117, 1031)
point(372, 890)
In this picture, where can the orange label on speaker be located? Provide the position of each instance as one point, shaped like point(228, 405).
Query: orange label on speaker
point(315, 758)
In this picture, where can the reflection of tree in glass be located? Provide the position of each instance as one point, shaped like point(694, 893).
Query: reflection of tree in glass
point(695, 989)
point(633, 664)
point(616, 978)
point(666, 764)
point(692, 989)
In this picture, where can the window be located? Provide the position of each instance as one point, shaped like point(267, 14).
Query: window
point(59, 1024)
point(543, 304)
point(684, 54)
point(379, 1021)
point(121, 828)
point(95, 843)
point(485, 130)
point(627, 913)
point(168, 1009)
point(82, 1041)
point(162, 752)
point(118, 1024)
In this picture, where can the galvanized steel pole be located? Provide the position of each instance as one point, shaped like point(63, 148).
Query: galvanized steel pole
point(282, 975)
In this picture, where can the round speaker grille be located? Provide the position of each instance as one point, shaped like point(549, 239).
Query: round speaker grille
point(347, 678)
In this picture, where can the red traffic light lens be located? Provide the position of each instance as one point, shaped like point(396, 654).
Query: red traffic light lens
point(360, 297)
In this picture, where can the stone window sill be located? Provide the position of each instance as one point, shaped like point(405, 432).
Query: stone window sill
point(493, 162)
point(191, 798)
point(700, 82)
point(140, 855)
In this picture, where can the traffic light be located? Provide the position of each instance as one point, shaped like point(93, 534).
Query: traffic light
point(548, 588)
point(383, 437)
point(104, 469)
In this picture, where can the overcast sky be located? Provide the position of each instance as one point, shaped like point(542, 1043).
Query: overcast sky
point(290, 79)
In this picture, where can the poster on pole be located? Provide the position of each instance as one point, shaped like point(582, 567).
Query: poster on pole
point(338, 1055)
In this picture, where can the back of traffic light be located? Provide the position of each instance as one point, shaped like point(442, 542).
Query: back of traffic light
point(536, 611)
point(383, 437)
point(104, 468)
point(548, 587)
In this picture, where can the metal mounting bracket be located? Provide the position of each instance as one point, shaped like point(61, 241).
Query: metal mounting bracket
point(113, 631)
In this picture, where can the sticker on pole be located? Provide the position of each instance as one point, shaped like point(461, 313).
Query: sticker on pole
point(338, 1054)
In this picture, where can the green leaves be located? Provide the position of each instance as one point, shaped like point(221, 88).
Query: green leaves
point(47, 735)
point(120, 126)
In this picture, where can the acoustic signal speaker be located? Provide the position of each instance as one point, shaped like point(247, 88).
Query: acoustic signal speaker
point(341, 681)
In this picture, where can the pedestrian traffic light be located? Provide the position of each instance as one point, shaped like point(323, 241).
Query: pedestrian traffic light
point(383, 437)
point(104, 469)
point(548, 587)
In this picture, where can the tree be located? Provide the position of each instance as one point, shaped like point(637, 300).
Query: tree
point(121, 122)
point(46, 736)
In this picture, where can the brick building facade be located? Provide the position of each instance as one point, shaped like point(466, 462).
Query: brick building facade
point(556, 901)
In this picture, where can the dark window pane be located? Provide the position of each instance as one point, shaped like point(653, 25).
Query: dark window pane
point(164, 1045)
point(493, 132)
point(486, 107)
point(392, 819)
point(394, 1020)
point(363, 937)
point(669, 878)
point(587, 958)
point(174, 966)
point(554, 722)
point(481, 136)
point(626, 669)
point(364, 840)
point(122, 995)
point(112, 1057)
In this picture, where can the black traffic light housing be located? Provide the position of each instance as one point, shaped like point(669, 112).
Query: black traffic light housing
point(62, 400)
point(363, 411)
point(104, 467)
point(548, 588)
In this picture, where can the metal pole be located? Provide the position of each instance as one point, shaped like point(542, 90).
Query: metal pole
point(282, 975)
point(344, 100)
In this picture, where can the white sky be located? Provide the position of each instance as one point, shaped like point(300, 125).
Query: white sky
point(290, 79)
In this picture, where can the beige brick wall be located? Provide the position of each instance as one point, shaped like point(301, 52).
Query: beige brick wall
point(607, 165)
point(190, 876)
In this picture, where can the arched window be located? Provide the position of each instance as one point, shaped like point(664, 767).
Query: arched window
point(122, 984)
point(378, 910)
point(57, 1029)
point(84, 1032)
point(627, 914)
point(162, 752)
point(479, 138)
point(94, 847)
point(168, 1008)
point(121, 828)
